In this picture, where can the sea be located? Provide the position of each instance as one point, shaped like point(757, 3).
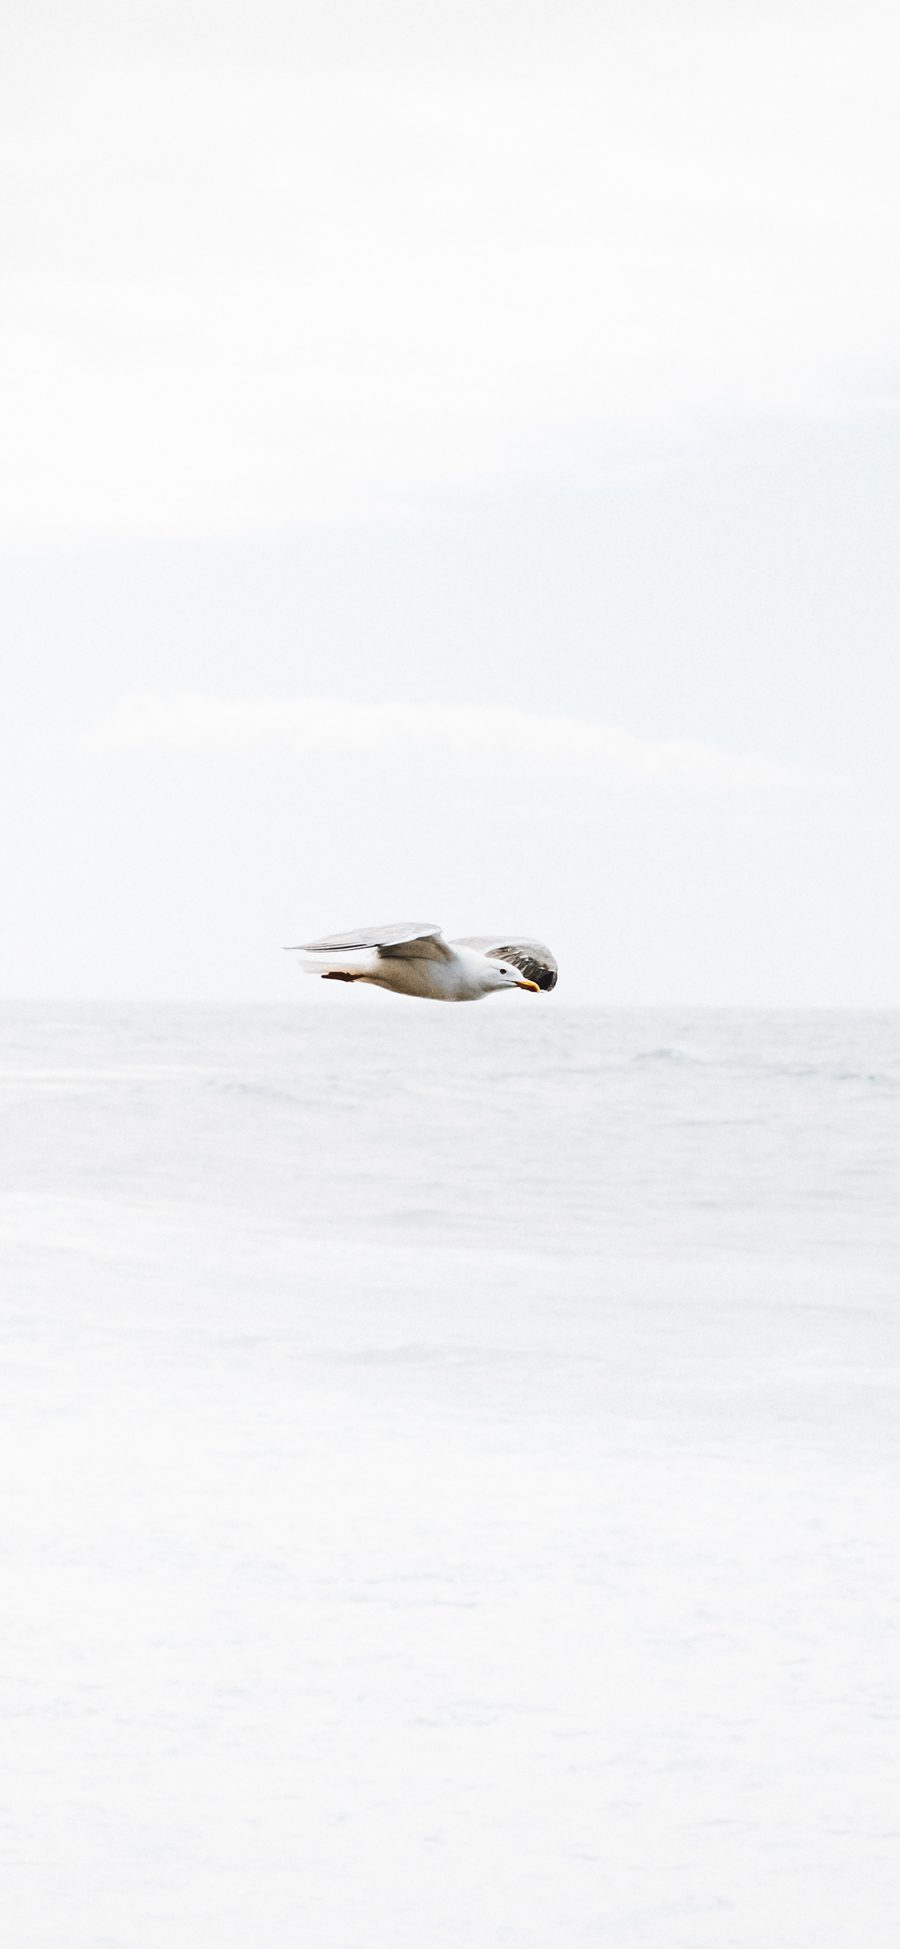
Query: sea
point(451, 1466)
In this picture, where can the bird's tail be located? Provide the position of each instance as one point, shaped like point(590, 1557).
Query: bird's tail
point(347, 964)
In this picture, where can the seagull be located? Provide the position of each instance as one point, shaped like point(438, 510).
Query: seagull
point(413, 958)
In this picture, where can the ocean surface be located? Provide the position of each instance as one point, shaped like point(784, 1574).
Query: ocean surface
point(451, 1468)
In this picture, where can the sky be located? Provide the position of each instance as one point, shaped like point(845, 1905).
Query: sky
point(450, 471)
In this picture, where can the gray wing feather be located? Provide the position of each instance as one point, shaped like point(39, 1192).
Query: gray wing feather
point(532, 958)
point(414, 939)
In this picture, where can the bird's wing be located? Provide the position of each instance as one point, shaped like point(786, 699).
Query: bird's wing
point(408, 940)
point(532, 958)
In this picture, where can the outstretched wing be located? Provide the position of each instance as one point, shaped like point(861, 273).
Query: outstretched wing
point(413, 940)
point(532, 958)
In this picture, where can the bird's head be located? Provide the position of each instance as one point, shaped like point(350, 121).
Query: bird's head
point(508, 976)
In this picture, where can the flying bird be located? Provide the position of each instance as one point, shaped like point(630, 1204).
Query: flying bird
point(413, 958)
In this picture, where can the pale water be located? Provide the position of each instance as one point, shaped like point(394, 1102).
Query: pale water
point(451, 1463)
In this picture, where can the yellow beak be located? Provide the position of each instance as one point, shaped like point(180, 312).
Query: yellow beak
point(529, 984)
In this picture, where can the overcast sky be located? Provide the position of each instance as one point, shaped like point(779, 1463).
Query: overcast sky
point(449, 469)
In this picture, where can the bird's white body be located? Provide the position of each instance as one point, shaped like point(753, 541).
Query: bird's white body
point(413, 958)
point(465, 976)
